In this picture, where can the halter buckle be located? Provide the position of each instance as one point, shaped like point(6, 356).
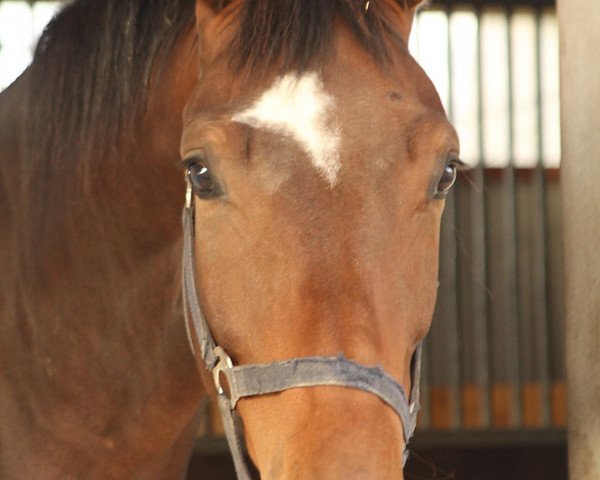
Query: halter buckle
point(223, 363)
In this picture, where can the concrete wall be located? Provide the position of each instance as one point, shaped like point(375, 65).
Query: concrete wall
point(580, 103)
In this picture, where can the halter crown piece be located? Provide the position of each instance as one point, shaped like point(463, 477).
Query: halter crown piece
point(262, 379)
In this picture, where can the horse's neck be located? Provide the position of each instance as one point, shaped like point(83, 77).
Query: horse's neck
point(95, 356)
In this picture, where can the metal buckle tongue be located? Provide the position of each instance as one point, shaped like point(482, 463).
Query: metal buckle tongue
point(223, 363)
point(188, 192)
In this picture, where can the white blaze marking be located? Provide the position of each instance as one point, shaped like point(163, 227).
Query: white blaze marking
point(300, 108)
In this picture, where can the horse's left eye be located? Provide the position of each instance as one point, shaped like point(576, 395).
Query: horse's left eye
point(448, 178)
point(201, 180)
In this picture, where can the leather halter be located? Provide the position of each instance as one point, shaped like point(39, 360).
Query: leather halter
point(261, 379)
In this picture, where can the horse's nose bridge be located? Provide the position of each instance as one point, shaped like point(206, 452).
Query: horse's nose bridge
point(345, 309)
point(350, 288)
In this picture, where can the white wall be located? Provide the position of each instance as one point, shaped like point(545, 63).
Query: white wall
point(580, 101)
point(21, 23)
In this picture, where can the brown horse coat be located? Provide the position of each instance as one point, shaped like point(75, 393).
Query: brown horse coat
point(316, 244)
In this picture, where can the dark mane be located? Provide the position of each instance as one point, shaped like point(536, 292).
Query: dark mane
point(293, 33)
point(90, 74)
point(88, 89)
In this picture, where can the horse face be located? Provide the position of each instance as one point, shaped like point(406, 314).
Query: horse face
point(319, 197)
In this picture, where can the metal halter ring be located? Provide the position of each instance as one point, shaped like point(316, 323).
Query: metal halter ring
point(223, 363)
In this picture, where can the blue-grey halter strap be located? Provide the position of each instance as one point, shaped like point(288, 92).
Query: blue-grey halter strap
point(261, 379)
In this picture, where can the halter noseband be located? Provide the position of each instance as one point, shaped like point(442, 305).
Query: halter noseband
point(261, 379)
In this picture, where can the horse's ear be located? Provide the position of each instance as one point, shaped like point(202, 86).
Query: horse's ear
point(206, 9)
point(406, 10)
point(215, 5)
point(410, 4)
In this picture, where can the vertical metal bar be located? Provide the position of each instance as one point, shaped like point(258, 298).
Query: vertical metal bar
point(530, 267)
point(451, 256)
point(471, 277)
point(510, 238)
point(555, 299)
point(478, 251)
point(443, 336)
point(537, 395)
point(508, 14)
point(501, 223)
point(538, 82)
point(448, 10)
point(553, 263)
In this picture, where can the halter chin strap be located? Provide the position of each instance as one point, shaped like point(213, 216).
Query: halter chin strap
point(261, 379)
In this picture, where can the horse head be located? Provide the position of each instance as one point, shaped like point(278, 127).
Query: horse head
point(319, 155)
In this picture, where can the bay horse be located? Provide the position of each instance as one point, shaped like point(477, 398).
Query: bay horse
point(317, 156)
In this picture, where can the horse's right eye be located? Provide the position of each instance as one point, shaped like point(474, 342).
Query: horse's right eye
point(201, 180)
point(448, 178)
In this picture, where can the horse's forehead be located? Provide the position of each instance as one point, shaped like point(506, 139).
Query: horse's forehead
point(298, 106)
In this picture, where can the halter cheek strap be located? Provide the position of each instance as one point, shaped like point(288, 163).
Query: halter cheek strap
point(262, 379)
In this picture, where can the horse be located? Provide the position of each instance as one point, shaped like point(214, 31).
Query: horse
point(316, 156)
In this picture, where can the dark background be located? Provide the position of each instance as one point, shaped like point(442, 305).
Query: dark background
point(484, 455)
point(461, 463)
